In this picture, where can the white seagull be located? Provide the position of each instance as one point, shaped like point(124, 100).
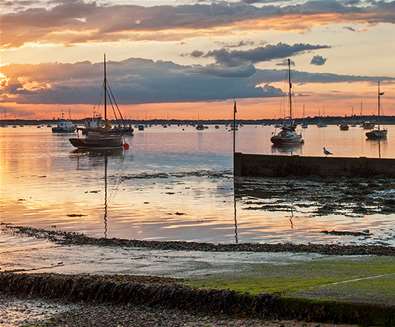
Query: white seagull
point(327, 152)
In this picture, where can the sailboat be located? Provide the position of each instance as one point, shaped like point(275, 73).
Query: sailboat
point(378, 134)
point(288, 136)
point(304, 123)
point(321, 123)
point(344, 126)
point(102, 137)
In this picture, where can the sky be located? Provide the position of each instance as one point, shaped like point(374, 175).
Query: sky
point(189, 59)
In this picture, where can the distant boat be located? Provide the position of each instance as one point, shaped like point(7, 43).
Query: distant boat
point(368, 125)
point(321, 124)
point(200, 127)
point(288, 136)
point(216, 126)
point(140, 127)
point(344, 127)
point(101, 137)
point(378, 134)
point(64, 126)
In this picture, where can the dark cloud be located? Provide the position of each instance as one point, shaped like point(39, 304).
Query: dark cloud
point(76, 21)
point(285, 63)
point(266, 53)
point(132, 80)
point(318, 60)
point(144, 81)
point(228, 71)
point(349, 28)
point(242, 43)
point(197, 53)
point(272, 76)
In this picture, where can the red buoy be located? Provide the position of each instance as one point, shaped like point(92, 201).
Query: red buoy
point(126, 146)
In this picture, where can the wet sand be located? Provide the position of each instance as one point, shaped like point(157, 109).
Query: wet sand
point(23, 312)
point(122, 316)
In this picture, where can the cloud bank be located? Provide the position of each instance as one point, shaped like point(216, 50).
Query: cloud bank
point(76, 21)
point(145, 81)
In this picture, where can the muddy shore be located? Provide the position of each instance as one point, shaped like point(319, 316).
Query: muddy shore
point(28, 312)
point(71, 238)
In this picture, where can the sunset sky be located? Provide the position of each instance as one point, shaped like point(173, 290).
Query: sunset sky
point(191, 58)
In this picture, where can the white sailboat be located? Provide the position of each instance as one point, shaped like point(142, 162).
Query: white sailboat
point(379, 133)
point(288, 135)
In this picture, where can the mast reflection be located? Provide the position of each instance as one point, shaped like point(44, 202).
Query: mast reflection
point(289, 149)
point(96, 156)
point(235, 210)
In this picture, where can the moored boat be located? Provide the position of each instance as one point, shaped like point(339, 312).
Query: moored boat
point(200, 127)
point(64, 126)
point(367, 125)
point(101, 136)
point(378, 133)
point(344, 127)
point(288, 135)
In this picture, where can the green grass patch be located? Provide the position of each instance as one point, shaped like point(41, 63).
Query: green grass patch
point(296, 278)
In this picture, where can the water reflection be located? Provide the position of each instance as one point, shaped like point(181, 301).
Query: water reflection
point(235, 210)
point(97, 155)
point(177, 185)
point(287, 149)
point(378, 146)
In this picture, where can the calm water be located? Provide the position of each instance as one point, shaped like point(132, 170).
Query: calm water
point(176, 184)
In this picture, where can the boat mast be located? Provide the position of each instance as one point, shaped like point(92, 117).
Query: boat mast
point(105, 90)
point(290, 88)
point(378, 103)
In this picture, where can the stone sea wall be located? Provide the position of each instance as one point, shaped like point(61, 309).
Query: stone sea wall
point(260, 165)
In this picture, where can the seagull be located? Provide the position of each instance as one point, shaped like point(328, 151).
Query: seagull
point(327, 152)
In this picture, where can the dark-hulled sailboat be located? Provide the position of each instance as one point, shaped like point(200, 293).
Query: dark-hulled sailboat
point(102, 137)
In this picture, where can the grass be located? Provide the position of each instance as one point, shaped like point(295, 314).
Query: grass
point(312, 279)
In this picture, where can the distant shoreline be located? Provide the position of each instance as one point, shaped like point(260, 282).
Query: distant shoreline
point(330, 120)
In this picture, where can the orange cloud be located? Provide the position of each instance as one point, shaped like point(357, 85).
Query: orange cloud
point(79, 22)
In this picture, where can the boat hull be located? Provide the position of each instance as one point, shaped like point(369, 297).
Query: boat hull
point(277, 141)
point(100, 143)
point(62, 130)
point(377, 134)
